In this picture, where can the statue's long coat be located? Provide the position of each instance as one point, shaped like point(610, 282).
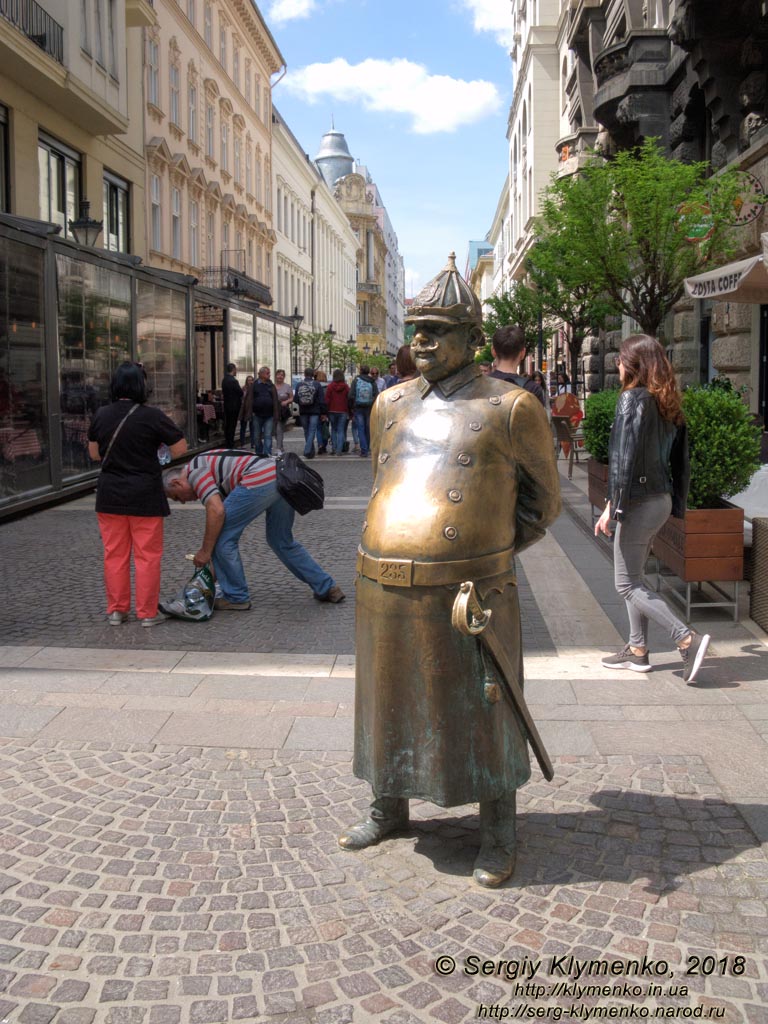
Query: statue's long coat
point(463, 468)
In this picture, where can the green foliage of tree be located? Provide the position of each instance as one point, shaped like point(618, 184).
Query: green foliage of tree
point(484, 354)
point(623, 226)
point(599, 414)
point(521, 307)
point(723, 443)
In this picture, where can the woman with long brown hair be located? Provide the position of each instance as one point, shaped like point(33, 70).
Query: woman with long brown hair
point(647, 479)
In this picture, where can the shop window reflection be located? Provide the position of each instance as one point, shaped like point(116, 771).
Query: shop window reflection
point(162, 333)
point(24, 448)
point(94, 307)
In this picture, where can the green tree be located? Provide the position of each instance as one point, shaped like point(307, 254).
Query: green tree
point(625, 227)
point(521, 307)
point(566, 294)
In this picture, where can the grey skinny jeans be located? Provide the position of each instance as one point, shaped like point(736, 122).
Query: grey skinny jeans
point(631, 547)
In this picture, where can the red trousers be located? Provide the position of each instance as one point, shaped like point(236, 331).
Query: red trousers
point(144, 536)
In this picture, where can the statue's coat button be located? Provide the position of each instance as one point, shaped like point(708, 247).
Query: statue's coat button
point(383, 457)
point(475, 426)
point(389, 424)
point(395, 397)
point(455, 495)
point(450, 532)
point(495, 400)
point(464, 459)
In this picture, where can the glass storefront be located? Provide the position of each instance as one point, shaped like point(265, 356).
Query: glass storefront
point(69, 317)
point(265, 344)
point(94, 307)
point(161, 319)
point(283, 341)
point(24, 442)
point(241, 343)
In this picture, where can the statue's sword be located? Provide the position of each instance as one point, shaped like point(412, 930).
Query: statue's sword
point(470, 618)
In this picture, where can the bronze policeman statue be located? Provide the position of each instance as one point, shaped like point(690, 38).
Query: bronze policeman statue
point(465, 477)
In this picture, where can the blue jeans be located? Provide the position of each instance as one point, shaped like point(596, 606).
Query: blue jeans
point(242, 431)
point(309, 424)
point(241, 507)
point(362, 419)
point(262, 434)
point(338, 431)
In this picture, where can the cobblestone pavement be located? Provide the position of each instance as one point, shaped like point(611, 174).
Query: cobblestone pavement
point(174, 885)
point(57, 554)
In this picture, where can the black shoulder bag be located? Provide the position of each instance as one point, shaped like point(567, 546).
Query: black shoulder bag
point(116, 431)
point(301, 486)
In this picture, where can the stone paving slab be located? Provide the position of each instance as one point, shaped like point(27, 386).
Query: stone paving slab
point(190, 885)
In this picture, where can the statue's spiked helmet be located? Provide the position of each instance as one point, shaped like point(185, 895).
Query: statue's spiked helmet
point(447, 299)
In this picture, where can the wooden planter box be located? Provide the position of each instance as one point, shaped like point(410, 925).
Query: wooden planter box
point(707, 545)
point(597, 483)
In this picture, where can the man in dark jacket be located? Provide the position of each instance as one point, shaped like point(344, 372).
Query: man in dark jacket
point(508, 348)
point(362, 394)
point(309, 398)
point(266, 410)
point(232, 397)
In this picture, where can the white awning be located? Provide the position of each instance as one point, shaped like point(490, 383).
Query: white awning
point(743, 281)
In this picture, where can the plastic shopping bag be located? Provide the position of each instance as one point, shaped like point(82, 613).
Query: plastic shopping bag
point(194, 602)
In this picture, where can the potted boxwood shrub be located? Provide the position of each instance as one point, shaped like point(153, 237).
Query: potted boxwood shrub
point(724, 448)
point(599, 413)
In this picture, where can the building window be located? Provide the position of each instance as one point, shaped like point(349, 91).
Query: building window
point(192, 113)
point(191, 12)
point(153, 73)
point(208, 27)
point(111, 38)
point(247, 84)
point(249, 258)
point(84, 19)
point(176, 223)
point(157, 234)
point(3, 159)
point(236, 66)
point(239, 241)
point(59, 169)
point(98, 33)
point(209, 130)
point(193, 232)
point(257, 96)
point(223, 46)
point(248, 169)
point(267, 187)
point(237, 160)
point(174, 96)
point(257, 192)
point(224, 145)
point(225, 237)
point(209, 240)
point(115, 213)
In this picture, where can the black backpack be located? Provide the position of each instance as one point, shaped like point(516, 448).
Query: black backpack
point(305, 393)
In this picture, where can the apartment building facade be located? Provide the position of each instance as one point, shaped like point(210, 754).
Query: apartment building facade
point(315, 249)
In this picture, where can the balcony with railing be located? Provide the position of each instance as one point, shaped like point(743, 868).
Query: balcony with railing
point(36, 24)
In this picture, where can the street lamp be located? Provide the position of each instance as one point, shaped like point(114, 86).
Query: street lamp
point(330, 335)
point(297, 319)
point(85, 230)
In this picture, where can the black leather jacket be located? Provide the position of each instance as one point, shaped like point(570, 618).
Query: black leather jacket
point(647, 455)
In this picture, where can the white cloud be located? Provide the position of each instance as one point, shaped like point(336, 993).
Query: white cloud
point(291, 10)
point(435, 103)
point(492, 16)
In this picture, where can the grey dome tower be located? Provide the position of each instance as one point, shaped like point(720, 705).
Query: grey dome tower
point(334, 159)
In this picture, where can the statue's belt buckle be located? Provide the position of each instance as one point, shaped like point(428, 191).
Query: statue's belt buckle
point(395, 573)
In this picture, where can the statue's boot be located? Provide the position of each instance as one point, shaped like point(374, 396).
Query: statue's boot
point(387, 814)
point(496, 860)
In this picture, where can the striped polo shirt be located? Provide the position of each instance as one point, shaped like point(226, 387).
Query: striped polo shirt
point(220, 472)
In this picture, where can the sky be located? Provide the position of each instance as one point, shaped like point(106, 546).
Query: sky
point(421, 90)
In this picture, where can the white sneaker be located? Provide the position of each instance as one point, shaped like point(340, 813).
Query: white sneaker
point(160, 617)
point(117, 618)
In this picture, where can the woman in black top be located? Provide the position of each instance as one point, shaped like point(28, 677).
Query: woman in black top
point(647, 479)
point(130, 500)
